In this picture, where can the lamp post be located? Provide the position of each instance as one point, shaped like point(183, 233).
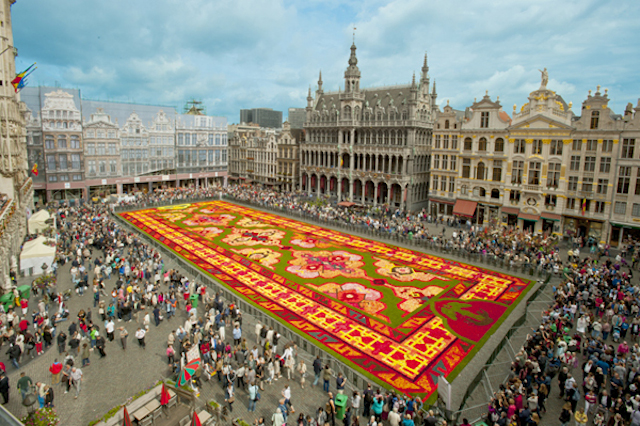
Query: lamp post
point(29, 403)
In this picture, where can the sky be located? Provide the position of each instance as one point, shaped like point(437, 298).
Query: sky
point(267, 53)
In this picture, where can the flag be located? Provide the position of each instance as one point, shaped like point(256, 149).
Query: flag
point(584, 206)
point(164, 396)
point(341, 162)
point(126, 420)
point(20, 81)
point(34, 170)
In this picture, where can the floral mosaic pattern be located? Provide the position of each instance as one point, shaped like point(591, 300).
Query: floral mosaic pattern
point(402, 273)
point(265, 256)
point(401, 318)
point(247, 237)
point(305, 241)
point(326, 264)
point(356, 295)
point(201, 220)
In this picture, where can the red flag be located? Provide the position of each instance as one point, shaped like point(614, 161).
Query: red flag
point(164, 396)
point(126, 421)
point(195, 420)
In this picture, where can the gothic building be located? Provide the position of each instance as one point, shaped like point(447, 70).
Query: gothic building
point(16, 187)
point(369, 146)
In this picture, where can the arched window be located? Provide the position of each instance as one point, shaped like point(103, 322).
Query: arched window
point(468, 144)
point(482, 192)
point(482, 144)
point(495, 193)
point(405, 115)
point(480, 171)
point(392, 115)
point(463, 190)
point(347, 112)
point(379, 116)
point(499, 147)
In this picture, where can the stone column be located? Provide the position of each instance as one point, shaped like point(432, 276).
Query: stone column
point(351, 190)
point(388, 194)
point(364, 190)
point(339, 189)
point(375, 193)
point(402, 198)
point(317, 186)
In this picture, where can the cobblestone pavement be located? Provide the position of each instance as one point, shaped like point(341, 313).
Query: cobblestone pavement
point(110, 381)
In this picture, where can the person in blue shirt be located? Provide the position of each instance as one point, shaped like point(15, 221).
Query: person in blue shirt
point(408, 421)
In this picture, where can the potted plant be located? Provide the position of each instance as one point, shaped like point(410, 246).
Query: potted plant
point(42, 417)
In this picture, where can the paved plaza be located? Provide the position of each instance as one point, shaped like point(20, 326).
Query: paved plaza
point(110, 381)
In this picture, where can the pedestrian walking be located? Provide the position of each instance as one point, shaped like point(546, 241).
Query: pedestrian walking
point(317, 369)
point(302, 371)
point(254, 396)
point(123, 337)
point(76, 379)
point(229, 397)
point(24, 384)
point(85, 355)
point(4, 387)
point(140, 336)
point(55, 369)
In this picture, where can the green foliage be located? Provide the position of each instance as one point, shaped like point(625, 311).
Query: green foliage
point(214, 404)
point(241, 422)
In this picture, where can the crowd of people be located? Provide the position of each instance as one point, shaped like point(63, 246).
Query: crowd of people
point(590, 334)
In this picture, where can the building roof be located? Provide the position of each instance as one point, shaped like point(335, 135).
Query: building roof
point(383, 97)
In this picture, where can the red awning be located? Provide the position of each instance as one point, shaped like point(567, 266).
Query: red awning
point(346, 204)
point(510, 210)
point(465, 208)
point(551, 216)
point(527, 216)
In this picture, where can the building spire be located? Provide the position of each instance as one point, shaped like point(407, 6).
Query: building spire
point(320, 82)
point(425, 67)
point(353, 61)
point(413, 82)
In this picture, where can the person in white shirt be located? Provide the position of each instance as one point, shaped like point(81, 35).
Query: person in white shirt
point(76, 378)
point(140, 336)
point(110, 327)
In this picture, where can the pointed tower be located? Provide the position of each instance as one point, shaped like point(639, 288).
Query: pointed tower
point(434, 95)
point(352, 74)
point(320, 91)
point(309, 108)
point(424, 78)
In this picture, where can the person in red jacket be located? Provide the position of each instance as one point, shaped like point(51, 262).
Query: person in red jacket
point(55, 370)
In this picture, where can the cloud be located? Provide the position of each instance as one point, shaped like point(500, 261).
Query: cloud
point(266, 53)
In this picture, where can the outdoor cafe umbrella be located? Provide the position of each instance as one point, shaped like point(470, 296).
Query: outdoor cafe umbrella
point(164, 396)
point(195, 420)
point(126, 420)
point(187, 372)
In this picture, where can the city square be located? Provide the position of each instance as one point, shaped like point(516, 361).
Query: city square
point(269, 214)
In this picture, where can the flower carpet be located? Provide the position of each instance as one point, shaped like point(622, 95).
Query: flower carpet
point(400, 317)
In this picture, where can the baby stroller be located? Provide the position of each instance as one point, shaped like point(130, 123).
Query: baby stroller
point(615, 335)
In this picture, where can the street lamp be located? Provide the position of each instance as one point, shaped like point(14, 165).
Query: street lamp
point(29, 403)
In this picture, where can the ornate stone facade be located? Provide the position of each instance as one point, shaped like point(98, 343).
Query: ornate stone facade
point(16, 187)
point(369, 146)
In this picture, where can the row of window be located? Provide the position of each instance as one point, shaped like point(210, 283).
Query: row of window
point(483, 144)
point(60, 114)
point(446, 165)
point(187, 139)
point(201, 157)
point(103, 149)
point(62, 162)
point(445, 142)
point(50, 142)
point(620, 207)
point(64, 178)
point(111, 134)
point(102, 167)
point(443, 183)
point(166, 151)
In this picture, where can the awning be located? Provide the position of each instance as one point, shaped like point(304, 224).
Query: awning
point(346, 204)
point(242, 178)
point(465, 208)
point(232, 178)
point(627, 226)
point(527, 216)
point(443, 201)
point(550, 216)
point(511, 210)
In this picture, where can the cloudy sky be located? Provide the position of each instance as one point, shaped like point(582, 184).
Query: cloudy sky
point(266, 53)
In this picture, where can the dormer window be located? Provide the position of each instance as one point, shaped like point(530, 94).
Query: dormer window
point(484, 120)
point(446, 124)
point(595, 116)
